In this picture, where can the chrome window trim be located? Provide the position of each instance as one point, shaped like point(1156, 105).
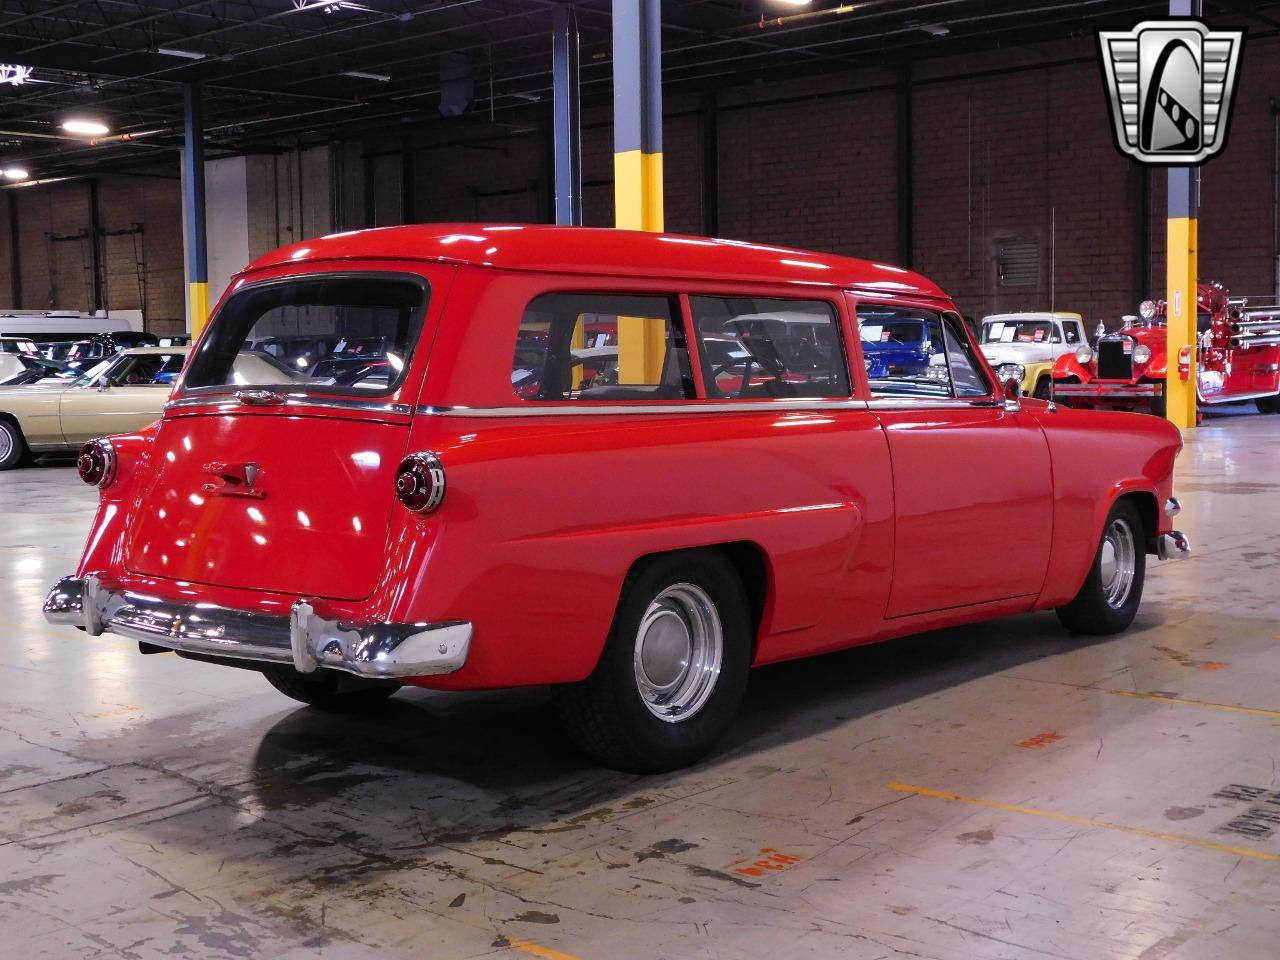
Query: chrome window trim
point(228, 402)
point(571, 409)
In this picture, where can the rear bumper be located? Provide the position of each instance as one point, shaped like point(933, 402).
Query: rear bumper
point(303, 639)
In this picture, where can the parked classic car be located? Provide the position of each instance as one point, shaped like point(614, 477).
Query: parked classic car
point(896, 344)
point(17, 369)
point(1237, 358)
point(121, 393)
point(640, 544)
point(1024, 346)
point(85, 353)
point(17, 345)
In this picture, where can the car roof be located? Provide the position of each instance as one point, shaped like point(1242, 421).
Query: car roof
point(1034, 315)
point(604, 252)
point(152, 351)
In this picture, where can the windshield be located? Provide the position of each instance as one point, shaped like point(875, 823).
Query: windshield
point(350, 334)
point(1020, 331)
point(92, 374)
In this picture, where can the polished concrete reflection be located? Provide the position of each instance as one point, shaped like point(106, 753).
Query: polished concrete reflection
point(1004, 791)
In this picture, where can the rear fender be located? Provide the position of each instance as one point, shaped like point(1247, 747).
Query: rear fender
point(104, 549)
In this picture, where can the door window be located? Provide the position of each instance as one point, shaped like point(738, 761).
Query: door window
point(911, 352)
point(601, 347)
point(756, 348)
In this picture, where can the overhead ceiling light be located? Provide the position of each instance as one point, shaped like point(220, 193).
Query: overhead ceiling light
point(184, 54)
point(527, 97)
point(936, 29)
point(86, 128)
point(795, 3)
point(14, 173)
point(362, 75)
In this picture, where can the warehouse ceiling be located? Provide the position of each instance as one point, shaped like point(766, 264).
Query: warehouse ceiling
point(277, 69)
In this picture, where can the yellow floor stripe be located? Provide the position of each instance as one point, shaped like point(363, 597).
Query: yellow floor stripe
point(1085, 821)
point(1255, 711)
point(538, 950)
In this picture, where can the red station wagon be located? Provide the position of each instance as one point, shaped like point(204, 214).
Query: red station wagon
point(629, 465)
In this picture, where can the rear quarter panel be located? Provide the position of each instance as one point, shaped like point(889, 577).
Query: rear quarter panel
point(1098, 457)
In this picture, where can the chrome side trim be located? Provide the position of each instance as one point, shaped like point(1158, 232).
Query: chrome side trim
point(229, 403)
point(1173, 546)
point(572, 409)
point(303, 640)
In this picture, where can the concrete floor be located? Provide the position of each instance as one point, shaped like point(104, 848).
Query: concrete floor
point(1002, 791)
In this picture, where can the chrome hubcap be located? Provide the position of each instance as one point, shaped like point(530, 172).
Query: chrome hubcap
point(6, 443)
point(1117, 563)
point(679, 648)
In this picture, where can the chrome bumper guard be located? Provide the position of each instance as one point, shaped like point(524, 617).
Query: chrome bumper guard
point(1173, 546)
point(303, 639)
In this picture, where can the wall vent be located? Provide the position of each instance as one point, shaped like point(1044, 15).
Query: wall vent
point(1018, 262)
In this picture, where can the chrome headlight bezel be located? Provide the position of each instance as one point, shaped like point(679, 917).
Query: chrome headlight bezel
point(1141, 353)
point(1084, 353)
point(1011, 371)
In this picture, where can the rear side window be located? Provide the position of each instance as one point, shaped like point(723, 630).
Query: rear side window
point(758, 348)
point(601, 347)
point(328, 334)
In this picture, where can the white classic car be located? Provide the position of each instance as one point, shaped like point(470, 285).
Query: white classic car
point(1024, 346)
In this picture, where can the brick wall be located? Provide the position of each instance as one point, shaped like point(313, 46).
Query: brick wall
point(142, 270)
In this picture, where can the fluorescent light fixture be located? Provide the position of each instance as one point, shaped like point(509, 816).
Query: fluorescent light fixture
point(86, 128)
point(795, 3)
point(14, 173)
point(175, 52)
point(936, 29)
point(526, 97)
point(362, 75)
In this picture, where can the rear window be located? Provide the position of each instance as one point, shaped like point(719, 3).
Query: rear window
point(296, 334)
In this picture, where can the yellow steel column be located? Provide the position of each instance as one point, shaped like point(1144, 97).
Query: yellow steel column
point(637, 164)
point(1181, 283)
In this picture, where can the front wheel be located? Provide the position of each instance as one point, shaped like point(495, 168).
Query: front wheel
point(1044, 389)
point(1108, 601)
point(1268, 404)
point(1160, 405)
point(329, 689)
point(673, 670)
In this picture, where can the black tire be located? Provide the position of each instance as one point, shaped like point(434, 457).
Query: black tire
point(1094, 611)
point(1160, 405)
point(1043, 385)
point(329, 689)
point(1268, 404)
point(13, 446)
point(607, 715)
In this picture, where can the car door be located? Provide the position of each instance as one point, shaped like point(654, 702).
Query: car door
point(973, 487)
point(127, 396)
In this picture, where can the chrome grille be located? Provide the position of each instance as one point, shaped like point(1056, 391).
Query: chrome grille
point(1113, 362)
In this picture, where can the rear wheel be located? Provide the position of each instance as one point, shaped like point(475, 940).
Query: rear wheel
point(12, 445)
point(674, 667)
point(1109, 598)
point(1268, 404)
point(329, 689)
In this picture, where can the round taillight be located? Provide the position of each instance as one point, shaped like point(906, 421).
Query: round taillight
point(420, 482)
point(97, 463)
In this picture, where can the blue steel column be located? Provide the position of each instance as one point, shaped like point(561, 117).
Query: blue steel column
point(193, 208)
point(568, 127)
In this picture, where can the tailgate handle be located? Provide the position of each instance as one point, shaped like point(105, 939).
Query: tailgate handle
point(234, 480)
